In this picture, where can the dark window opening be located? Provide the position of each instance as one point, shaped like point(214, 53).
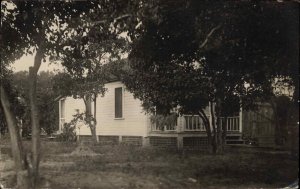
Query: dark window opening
point(118, 103)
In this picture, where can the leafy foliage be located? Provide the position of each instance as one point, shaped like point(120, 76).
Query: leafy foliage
point(189, 53)
point(203, 51)
point(83, 118)
point(12, 44)
point(68, 133)
point(45, 100)
point(88, 48)
point(69, 129)
point(43, 28)
point(14, 99)
point(286, 116)
point(162, 120)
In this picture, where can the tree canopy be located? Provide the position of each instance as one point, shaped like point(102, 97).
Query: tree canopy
point(190, 53)
point(183, 54)
point(46, 97)
point(192, 49)
point(45, 29)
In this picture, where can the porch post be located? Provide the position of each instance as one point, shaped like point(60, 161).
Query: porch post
point(120, 139)
point(210, 116)
point(179, 127)
point(241, 120)
point(62, 113)
point(59, 112)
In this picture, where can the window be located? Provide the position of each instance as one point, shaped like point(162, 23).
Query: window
point(62, 113)
point(118, 103)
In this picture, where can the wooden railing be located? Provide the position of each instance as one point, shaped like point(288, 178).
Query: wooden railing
point(157, 127)
point(193, 123)
point(233, 123)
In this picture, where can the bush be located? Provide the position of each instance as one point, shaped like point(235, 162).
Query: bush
point(68, 133)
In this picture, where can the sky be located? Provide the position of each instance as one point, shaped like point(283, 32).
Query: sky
point(25, 62)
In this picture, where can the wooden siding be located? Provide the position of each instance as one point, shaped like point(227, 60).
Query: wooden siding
point(258, 123)
point(71, 107)
point(133, 122)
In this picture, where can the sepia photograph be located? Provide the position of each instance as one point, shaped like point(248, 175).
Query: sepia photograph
point(149, 94)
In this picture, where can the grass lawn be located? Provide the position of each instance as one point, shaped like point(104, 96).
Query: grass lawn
point(134, 167)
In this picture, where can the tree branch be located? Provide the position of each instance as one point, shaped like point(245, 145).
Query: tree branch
point(115, 19)
point(122, 16)
point(209, 35)
point(15, 138)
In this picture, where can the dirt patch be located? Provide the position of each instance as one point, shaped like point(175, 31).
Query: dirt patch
point(56, 165)
point(7, 172)
point(108, 167)
point(6, 165)
point(104, 180)
point(83, 150)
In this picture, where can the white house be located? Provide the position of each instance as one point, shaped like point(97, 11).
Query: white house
point(120, 118)
point(118, 114)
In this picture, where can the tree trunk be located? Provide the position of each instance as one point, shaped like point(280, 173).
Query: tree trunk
point(95, 138)
point(91, 119)
point(34, 115)
point(224, 133)
point(214, 142)
point(218, 124)
point(94, 135)
point(207, 128)
point(16, 143)
point(278, 132)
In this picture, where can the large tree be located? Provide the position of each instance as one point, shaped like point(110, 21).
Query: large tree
point(87, 63)
point(14, 98)
point(43, 29)
point(189, 53)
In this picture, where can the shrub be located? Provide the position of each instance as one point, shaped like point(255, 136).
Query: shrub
point(68, 133)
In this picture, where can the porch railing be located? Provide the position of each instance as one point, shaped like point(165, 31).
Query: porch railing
point(233, 123)
point(195, 123)
point(157, 127)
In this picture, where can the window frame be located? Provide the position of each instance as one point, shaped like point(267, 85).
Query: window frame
point(62, 113)
point(122, 103)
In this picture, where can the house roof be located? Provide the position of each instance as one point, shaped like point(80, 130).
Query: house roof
point(115, 69)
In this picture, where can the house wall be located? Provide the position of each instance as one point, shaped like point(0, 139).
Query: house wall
point(134, 126)
point(133, 123)
point(72, 106)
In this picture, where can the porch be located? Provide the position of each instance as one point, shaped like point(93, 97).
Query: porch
point(194, 124)
point(189, 130)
